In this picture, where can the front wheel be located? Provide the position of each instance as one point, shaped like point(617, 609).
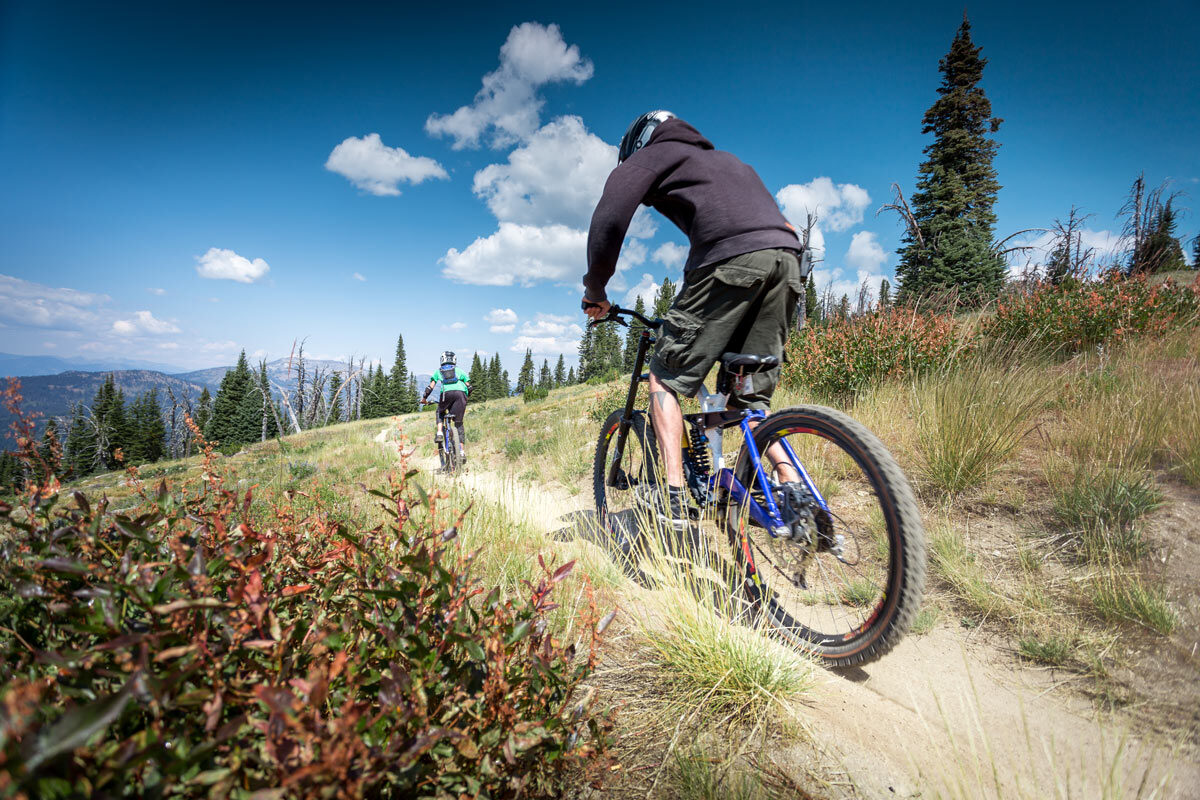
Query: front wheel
point(615, 491)
point(849, 593)
point(451, 446)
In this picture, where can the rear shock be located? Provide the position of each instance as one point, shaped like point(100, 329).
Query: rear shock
point(699, 463)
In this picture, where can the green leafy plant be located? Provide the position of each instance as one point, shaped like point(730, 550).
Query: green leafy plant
point(180, 649)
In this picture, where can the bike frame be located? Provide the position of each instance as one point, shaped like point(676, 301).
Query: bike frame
point(768, 516)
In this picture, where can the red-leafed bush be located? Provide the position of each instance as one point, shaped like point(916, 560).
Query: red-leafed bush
point(1077, 315)
point(847, 356)
point(178, 649)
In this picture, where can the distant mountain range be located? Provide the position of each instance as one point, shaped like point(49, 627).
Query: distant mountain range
point(52, 395)
point(11, 364)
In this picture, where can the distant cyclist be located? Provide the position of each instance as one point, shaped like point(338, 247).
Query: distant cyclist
point(455, 385)
point(741, 282)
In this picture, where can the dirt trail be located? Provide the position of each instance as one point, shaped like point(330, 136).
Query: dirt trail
point(953, 711)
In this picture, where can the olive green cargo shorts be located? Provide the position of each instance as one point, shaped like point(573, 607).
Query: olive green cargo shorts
point(744, 305)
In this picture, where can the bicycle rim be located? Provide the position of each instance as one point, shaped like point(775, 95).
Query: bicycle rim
point(615, 508)
point(847, 608)
point(450, 437)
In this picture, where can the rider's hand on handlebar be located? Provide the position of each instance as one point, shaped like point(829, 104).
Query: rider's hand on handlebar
point(596, 311)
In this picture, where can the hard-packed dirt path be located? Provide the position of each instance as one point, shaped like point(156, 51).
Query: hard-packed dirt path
point(949, 713)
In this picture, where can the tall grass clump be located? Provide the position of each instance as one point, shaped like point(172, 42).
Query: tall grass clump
point(180, 648)
point(712, 662)
point(971, 419)
point(1123, 596)
point(1102, 506)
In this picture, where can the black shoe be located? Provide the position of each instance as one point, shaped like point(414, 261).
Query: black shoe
point(671, 508)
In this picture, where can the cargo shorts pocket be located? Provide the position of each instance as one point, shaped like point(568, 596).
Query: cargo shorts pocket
point(746, 274)
point(679, 332)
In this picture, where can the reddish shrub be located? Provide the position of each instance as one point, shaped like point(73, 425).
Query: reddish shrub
point(179, 650)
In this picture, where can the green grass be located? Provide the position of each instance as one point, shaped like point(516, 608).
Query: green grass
point(971, 419)
point(966, 577)
point(1122, 596)
point(1049, 649)
point(1102, 506)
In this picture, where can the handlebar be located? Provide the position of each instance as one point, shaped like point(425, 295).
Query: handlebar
point(615, 312)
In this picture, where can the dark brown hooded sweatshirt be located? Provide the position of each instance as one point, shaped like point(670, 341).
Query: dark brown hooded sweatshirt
point(719, 202)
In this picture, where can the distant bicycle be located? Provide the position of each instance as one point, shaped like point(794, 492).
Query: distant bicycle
point(446, 436)
point(835, 562)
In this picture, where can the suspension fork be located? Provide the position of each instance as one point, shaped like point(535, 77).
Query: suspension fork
point(644, 340)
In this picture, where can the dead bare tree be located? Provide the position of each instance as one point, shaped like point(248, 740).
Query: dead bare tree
point(1146, 238)
point(863, 302)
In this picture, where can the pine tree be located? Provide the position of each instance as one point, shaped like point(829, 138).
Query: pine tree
point(843, 309)
point(586, 345)
point(1196, 253)
point(80, 450)
point(478, 378)
point(560, 373)
point(525, 380)
point(494, 389)
point(571, 379)
point(1160, 251)
point(956, 188)
point(885, 295)
point(812, 309)
point(400, 400)
point(148, 433)
point(663, 297)
point(335, 398)
point(226, 424)
point(633, 336)
point(546, 377)
point(203, 410)
point(505, 384)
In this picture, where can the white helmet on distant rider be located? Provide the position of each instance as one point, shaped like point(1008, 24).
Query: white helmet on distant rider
point(640, 131)
point(448, 357)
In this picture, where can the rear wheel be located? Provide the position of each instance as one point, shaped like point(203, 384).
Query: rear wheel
point(615, 510)
point(450, 440)
point(846, 607)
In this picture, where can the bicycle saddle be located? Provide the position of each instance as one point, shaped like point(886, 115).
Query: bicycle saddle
point(746, 363)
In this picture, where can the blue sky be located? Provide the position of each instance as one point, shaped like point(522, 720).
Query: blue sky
point(182, 180)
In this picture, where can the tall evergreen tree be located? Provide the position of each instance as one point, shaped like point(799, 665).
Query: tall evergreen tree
point(335, 398)
point(147, 432)
point(401, 400)
point(812, 309)
point(560, 373)
point(203, 410)
point(586, 345)
point(526, 379)
point(843, 309)
point(1196, 253)
point(80, 448)
point(505, 384)
point(663, 297)
point(571, 379)
point(1160, 251)
point(633, 335)
point(227, 424)
point(478, 376)
point(885, 295)
point(952, 207)
point(494, 389)
point(546, 377)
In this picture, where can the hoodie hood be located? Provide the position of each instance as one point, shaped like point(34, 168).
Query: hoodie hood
point(676, 130)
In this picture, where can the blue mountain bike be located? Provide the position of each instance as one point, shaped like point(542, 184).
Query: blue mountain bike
point(833, 561)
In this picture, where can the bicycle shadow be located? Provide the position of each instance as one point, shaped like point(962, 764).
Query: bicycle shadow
point(620, 543)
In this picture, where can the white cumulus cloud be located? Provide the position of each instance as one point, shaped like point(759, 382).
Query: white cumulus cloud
point(519, 254)
point(218, 264)
point(838, 207)
point(557, 176)
point(548, 334)
point(671, 255)
point(646, 288)
point(502, 320)
point(865, 252)
point(143, 322)
point(36, 305)
point(454, 326)
point(508, 104)
point(376, 168)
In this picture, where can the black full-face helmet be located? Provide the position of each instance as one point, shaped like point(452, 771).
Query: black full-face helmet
point(448, 357)
point(640, 131)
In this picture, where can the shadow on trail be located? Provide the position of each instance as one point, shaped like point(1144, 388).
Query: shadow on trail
point(620, 543)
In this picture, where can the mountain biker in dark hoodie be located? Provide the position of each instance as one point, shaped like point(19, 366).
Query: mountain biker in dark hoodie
point(742, 278)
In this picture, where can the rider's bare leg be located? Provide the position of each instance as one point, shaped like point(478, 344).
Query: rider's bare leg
point(784, 471)
point(668, 428)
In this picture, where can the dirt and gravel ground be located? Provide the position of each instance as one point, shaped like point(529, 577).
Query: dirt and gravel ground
point(955, 712)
